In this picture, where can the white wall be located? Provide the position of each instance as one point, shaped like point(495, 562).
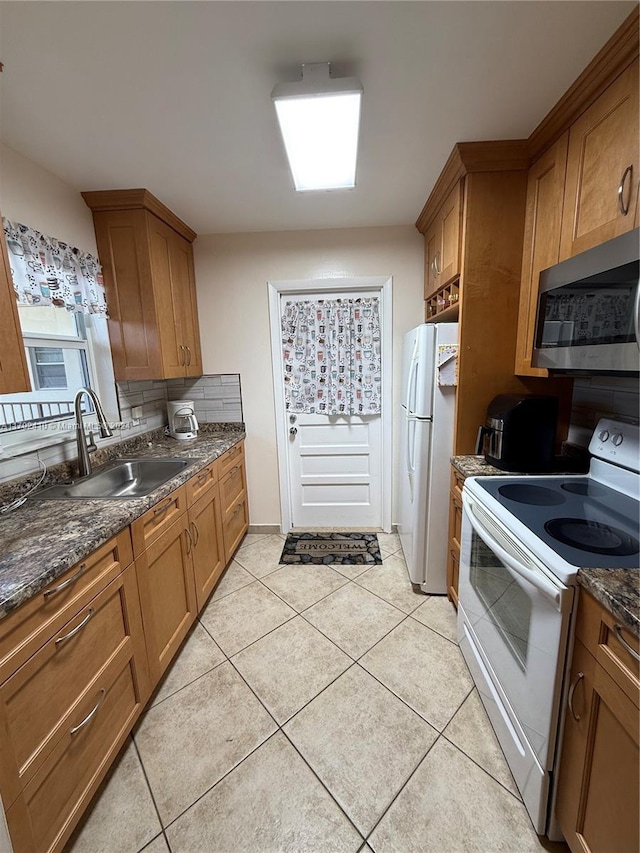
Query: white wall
point(232, 271)
point(35, 197)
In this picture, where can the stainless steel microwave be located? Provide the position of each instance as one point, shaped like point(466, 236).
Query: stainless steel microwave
point(587, 318)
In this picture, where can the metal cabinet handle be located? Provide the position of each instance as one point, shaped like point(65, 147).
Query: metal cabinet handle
point(624, 208)
point(572, 690)
point(160, 509)
point(435, 262)
point(189, 540)
point(182, 358)
point(91, 713)
point(203, 476)
point(617, 629)
point(68, 582)
point(196, 536)
point(188, 349)
point(78, 628)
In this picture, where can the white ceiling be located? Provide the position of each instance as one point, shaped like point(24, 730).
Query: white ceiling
point(175, 96)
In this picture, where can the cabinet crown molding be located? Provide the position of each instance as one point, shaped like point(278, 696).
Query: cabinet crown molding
point(503, 155)
point(610, 61)
point(137, 199)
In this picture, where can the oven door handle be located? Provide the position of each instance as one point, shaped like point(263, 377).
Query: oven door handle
point(516, 569)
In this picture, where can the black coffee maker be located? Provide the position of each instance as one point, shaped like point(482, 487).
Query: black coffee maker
point(519, 433)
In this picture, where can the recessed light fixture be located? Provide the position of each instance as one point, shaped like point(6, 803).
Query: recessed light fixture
point(319, 118)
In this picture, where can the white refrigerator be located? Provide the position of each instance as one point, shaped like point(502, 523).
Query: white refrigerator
point(427, 420)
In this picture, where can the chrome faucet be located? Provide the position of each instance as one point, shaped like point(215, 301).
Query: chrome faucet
point(84, 448)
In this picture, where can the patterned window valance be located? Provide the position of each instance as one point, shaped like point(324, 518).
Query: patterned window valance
point(331, 351)
point(46, 271)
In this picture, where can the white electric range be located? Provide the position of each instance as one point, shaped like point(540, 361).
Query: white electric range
point(523, 541)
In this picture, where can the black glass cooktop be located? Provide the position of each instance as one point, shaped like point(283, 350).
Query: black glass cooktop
point(588, 524)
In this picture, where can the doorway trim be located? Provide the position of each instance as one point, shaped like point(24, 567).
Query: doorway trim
point(382, 285)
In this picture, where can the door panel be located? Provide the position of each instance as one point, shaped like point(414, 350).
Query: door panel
point(335, 471)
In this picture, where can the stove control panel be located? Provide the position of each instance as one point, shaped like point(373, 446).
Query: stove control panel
point(617, 442)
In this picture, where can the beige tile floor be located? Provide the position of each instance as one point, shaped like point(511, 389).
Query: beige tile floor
point(313, 710)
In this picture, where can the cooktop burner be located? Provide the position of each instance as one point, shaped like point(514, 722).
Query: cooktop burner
point(593, 490)
point(593, 536)
point(526, 494)
point(586, 522)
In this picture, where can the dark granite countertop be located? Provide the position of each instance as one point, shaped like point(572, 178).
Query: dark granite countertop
point(618, 590)
point(42, 539)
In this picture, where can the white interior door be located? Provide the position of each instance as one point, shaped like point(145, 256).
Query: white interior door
point(335, 471)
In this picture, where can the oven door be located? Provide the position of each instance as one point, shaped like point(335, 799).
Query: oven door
point(517, 614)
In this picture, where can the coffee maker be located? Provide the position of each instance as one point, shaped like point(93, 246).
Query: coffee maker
point(519, 433)
point(183, 423)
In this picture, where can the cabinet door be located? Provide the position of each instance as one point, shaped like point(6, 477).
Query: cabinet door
point(14, 376)
point(602, 168)
point(205, 521)
point(574, 745)
point(168, 296)
point(123, 248)
point(432, 247)
point(543, 219)
point(448, 263)
point(167, 595)
point(184, 290)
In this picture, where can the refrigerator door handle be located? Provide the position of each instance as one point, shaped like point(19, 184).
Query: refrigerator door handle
point(413, 370)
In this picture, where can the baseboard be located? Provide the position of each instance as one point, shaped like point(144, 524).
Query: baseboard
point(264, 528)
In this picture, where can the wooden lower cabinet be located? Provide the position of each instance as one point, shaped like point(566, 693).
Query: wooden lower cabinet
point(79, 660)
point(167, 594)
point(65, 713)
point(233, 499)
point(598, 788)
point(455, 529)
point(208, 553)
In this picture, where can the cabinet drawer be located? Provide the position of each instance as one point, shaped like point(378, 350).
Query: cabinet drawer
point(612, 646)
point(26, 629)
point(232, 486)
point(455, 516)
point(201, 483)
point(39, 700)
point(232, 457)
point(159, 518)
point(57, 795)
point(234, 526)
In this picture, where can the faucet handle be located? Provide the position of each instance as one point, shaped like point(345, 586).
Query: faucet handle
point(91, 445)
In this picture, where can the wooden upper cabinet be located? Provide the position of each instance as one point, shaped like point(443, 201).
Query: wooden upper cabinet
point(602, 168)
point(147, 260)
point(545, 194)
point(14, 376)
point(442, 243)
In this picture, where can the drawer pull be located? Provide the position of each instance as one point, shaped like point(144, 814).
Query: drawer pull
point(196, 532)
point(68, 582)
point(161, 509)
point(77, 629)
point(572, 690)
point(189, 540)
point(202, 477)
point(617, 629)
point(624, 208)
point(91, 713)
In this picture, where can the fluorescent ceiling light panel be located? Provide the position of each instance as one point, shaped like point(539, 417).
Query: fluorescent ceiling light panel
point(319, 119)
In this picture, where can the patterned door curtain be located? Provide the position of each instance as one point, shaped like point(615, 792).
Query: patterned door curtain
point(46, 271)
point(331, 351)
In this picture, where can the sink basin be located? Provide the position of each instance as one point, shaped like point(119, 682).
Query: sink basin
point(123, 478)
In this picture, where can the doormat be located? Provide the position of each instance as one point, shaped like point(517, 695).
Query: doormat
point(349, 549)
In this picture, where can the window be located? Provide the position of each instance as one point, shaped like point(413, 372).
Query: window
point(65, 351)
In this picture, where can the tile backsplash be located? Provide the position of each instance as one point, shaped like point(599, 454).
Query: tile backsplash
point(215, 398)
point(601, 397)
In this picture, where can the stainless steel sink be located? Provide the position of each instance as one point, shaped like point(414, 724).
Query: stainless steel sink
point(122, 478)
